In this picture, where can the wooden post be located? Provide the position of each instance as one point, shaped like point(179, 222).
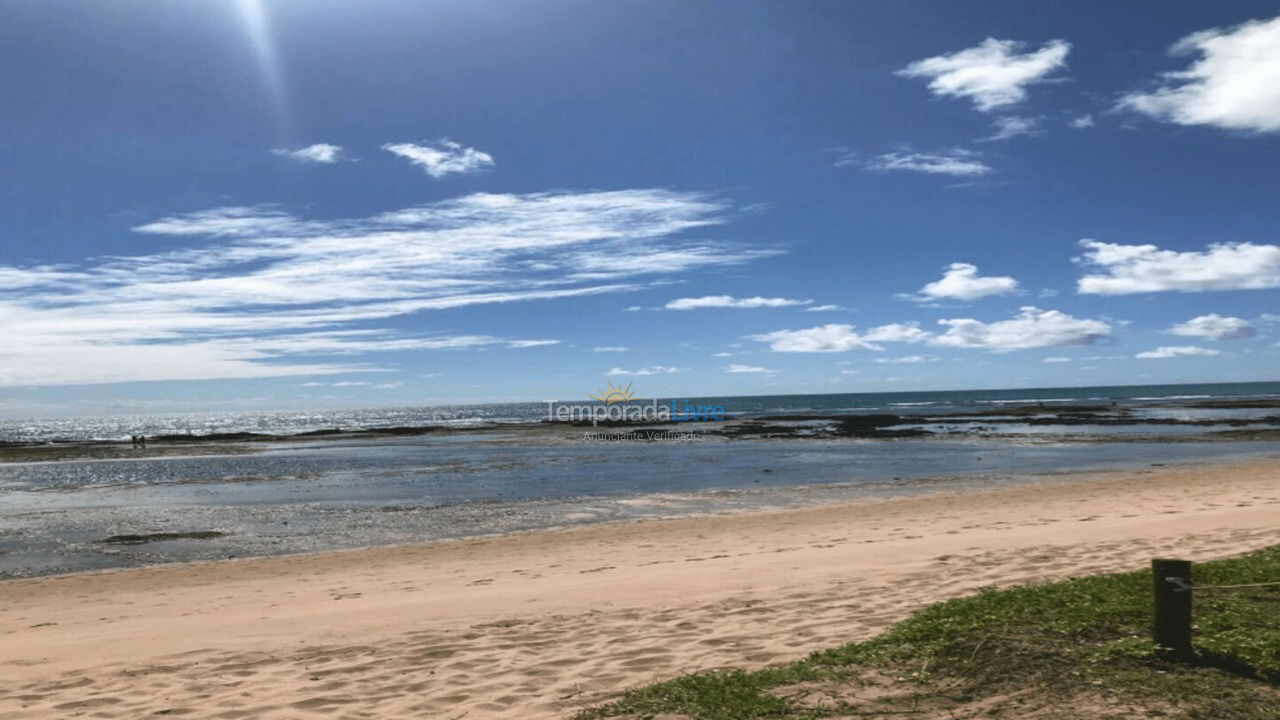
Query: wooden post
point(1172, 594)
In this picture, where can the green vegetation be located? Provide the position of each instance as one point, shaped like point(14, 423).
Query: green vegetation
point(1074, 649)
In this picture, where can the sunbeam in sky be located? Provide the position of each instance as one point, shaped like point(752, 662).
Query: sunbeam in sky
point(257, 27)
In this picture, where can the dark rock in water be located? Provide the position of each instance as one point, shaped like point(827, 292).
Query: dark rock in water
point(417, 430)
point(159, 537)
point(211, 437)
point(315, 433)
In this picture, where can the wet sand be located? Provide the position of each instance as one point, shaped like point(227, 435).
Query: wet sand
point(540, 624)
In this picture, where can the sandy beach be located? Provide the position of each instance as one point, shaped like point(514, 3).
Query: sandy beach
point(539, 625)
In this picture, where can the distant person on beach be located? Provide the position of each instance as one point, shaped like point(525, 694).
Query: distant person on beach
point(142, 441)
point(134, 439)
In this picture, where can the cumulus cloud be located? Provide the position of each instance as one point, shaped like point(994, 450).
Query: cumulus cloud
point(962, 282)
point(736, 368)
point(1234, 84)
point(277, 295)
point(1127, 269)
point(1031, 328)
point(959, 163)
point(728, 301)
point(655, 370)
point(1215, 327)
point(993, 74)
point(897, 332)
point(1162, 353)
point(443, 157)
point(823, 308)
point(1082, 122)
point(319, 153)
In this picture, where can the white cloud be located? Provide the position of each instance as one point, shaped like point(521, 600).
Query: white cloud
point(1234, 84)
point(1011, 126)
point(278, 295)
point(1162, 353)
point(823, 308)
point(833, 337)
point(1215, 327)
point(960, 163)
point(655, 370)
point(443, 157)
point(907, 360)
point(319, 153)
point(1031, 328)
point(993, 74)
point(1057, 360)
point(521, 344)
point(735, 368)
point(897, 332)
point(1146, 268)
point(962, 282)
point(722, 354)
point(1082, 122)
point(727, 301)
point(611, 349)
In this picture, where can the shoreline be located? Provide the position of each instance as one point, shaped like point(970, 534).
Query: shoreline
point(596, 608)
point(886, 425)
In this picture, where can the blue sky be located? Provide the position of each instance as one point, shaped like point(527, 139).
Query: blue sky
point(305, 203)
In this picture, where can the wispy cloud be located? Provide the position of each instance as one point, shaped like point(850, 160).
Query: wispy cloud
point(823, 308)
point(611, 349)
point(1164, 353)
point(1233, 85)
point(281, 295)
point(833, 337)
point(993, 74)
point(443, 157)
point(654, 370)
point(960, 163)
point(907, 360)
point(1011, 126)
point(1127, 269)
point(755, 369)
point(320, 154)
point(727, 301)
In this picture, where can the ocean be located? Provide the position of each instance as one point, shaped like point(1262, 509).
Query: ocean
point(120, 427)
point(510, 473)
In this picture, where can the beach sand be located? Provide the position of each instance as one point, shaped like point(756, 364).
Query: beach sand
point(539, 625)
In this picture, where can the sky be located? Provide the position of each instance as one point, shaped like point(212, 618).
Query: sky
point(284, 204)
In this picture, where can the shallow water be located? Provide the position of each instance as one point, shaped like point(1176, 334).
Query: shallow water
point(343, 494)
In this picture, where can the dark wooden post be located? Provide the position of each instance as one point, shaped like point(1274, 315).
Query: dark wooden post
point(1172, 593)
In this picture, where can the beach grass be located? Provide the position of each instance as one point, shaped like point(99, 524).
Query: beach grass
point(1074, 648)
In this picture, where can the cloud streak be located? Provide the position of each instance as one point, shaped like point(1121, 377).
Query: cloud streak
point(260, 292)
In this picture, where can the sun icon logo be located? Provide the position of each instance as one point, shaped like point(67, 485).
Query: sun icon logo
point(615, 394)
